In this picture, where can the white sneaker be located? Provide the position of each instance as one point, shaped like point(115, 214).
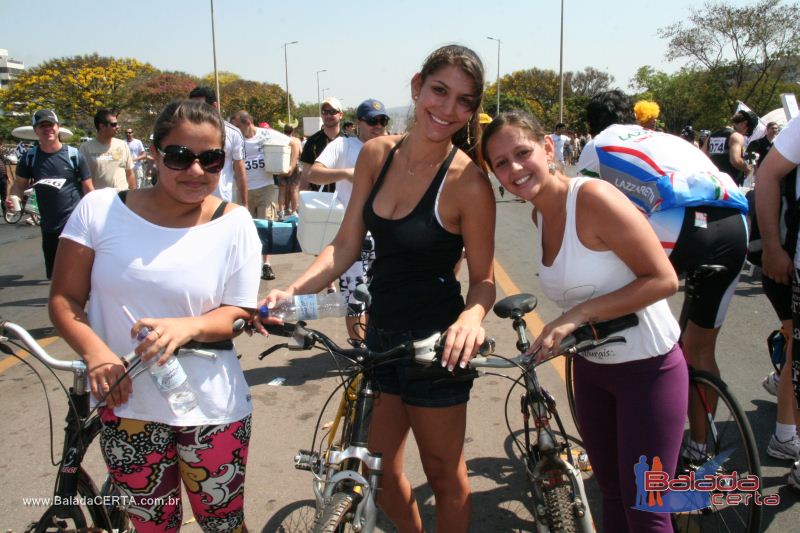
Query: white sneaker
point(793, 479)
point(770, 383)
point(784, 450)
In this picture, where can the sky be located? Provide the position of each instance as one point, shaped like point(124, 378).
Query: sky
point(369, 49)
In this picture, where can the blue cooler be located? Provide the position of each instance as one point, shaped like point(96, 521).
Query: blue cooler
point(278, 237)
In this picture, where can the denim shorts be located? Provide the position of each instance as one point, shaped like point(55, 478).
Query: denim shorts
point(393, 377)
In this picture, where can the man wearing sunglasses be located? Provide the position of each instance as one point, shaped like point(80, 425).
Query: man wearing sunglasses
point(316, 143)
point(109, 158)
point(336, 164)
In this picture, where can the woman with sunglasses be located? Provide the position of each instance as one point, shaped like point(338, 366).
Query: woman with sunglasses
point(423, 200)
point(185, 264)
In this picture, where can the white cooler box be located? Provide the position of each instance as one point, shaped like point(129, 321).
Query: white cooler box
point(320, 214)
point(277, 158)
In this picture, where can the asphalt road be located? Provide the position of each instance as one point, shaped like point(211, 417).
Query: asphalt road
point(285, 414)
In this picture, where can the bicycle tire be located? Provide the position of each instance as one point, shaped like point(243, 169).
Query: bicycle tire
point(558, 506)
point(13, 218)
point(63, 519)
point(333, 517)
point(734, 436)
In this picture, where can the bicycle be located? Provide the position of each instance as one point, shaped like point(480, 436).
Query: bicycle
point(716, 420)
point(558, 497)
point(74, 488)
point(106, 508)
point(28, 205)
point(346, 473)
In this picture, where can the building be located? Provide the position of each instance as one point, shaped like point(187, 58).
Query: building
point(9, 68)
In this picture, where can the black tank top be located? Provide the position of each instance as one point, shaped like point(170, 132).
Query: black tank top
point(413, 285)
point(719, 152)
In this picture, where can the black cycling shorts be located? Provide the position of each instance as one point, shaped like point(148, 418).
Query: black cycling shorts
point(710, 236)
point(780, 296)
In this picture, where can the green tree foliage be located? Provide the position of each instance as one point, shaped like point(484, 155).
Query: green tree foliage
point(149, 94)
point(749, 52)
point(537, 91)
point(266, 102)
point(76, 87)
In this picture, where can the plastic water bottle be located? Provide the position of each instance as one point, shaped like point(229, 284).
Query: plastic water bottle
point(308, 307)
point(170, 378)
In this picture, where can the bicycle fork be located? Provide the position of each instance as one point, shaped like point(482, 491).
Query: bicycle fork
point(546, 468)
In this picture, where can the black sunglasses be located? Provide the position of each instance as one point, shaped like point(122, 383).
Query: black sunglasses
point(329, 111)
point(180, 158)
point(383, 120)
point(112, 124)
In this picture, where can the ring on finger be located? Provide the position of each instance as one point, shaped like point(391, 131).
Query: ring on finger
point(158, 334)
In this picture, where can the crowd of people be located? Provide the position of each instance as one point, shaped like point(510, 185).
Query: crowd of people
point(417, 203)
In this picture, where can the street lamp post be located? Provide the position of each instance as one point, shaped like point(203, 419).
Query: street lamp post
point(498, 71)
point(561, 69)
point(319, 105)
point(286, 68)
point(323, 96)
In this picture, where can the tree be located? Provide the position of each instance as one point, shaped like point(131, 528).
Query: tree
point(264, 101)
point(150, 93)
point(749, 52)
point(76, 87)
point(590, 82)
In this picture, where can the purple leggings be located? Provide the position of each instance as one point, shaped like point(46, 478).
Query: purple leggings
point(625, 411)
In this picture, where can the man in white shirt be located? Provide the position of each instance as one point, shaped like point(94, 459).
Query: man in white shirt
point(234, 154)
point(559, 139)
point(336, 163)
point(139, 155)
point(262, 186)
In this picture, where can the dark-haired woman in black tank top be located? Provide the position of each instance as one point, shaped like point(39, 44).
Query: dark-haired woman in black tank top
point(423, 200)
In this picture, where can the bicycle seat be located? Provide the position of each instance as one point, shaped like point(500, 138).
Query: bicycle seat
point(518, 304)
point(706, 271)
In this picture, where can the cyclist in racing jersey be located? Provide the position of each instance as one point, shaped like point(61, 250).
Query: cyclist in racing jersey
point(696, 210)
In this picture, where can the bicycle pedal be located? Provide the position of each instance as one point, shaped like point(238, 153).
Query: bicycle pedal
point(306, 460)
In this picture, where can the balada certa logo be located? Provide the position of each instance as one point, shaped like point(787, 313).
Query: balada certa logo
point(699, 489)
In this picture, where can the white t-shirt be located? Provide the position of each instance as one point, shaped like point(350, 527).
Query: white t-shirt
point(559, 141)
point(788, 145)
point(342, 152)
point(234, 151)
point(137, 148)
point(579, 274)
point(254, 164)
point(169, 272)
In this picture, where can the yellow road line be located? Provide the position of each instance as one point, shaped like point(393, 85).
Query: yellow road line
point(9, 361)
point(533, 320)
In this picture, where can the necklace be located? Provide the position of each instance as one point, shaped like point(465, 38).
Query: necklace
point(425, 165)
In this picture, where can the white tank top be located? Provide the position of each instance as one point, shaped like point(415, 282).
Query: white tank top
point(579, 274)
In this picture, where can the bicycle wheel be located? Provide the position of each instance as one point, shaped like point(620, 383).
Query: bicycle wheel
point(297, 517)
point(558, 506)
point(86, 514)
point(729, 448)
point(333, 518)
point(116, 509)
point(13, 218)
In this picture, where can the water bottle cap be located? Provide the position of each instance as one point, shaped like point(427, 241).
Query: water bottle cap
point(263, 312)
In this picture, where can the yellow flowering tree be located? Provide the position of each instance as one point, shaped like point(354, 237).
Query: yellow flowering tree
point(76, 87)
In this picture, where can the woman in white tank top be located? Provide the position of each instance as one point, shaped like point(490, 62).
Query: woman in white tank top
point(600, 259)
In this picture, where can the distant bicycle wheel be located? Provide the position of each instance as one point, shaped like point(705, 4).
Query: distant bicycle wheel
point(728, 447)
point(92, 516)
point(13, 218)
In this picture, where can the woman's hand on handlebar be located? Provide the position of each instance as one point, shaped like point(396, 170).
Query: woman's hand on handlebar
point(104, 372)
point(274, 296)
point(462, 341)
point(551, 336)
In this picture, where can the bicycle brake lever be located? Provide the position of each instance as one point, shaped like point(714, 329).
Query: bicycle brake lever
point(591, 344)
point(272, 349)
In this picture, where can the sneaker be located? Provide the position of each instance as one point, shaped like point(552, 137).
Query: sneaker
point(793, 479)
point(267, 273)
point(784, 450)
point(770, 383)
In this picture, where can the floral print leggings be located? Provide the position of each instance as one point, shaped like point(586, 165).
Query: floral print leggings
point(148, 460)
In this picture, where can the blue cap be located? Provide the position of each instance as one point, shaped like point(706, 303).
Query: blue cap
point(263, 312)
point(370, 109)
